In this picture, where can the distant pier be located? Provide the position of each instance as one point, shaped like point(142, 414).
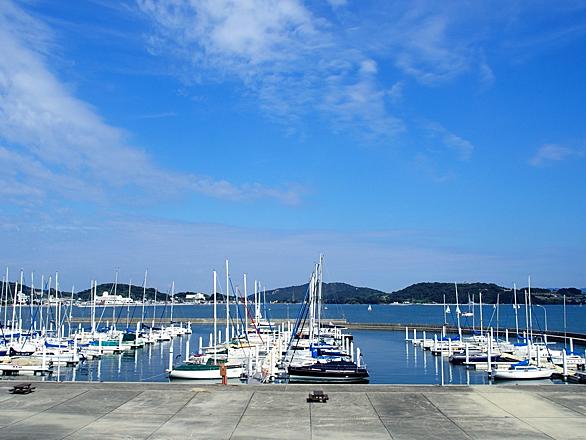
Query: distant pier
point(554, 336)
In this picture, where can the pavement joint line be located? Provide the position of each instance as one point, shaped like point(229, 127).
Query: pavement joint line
point(378, 415)
point(518, 418)
point(310, 422)
point(173, 415)
point(445, 415)
point(242, 415)
point(578, 414)
point(101, 417)
point(45, 410)
point(16, 421)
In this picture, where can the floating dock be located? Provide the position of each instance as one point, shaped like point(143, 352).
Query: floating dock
point(187, 410)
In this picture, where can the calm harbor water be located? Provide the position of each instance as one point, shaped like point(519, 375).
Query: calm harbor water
point(381, 313)
point(388, 357)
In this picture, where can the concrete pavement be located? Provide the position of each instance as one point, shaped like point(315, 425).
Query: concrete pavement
point(193, 411)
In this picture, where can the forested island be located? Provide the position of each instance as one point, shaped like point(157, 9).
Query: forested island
point(338, 293)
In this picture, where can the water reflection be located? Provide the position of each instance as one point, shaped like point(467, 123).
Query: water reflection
point(389, 360)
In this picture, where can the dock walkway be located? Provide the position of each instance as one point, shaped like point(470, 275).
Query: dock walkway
point(192, 411)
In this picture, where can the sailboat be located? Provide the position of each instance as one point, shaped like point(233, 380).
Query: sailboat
point(321, 362)
point(208, 366)
point(522, 371)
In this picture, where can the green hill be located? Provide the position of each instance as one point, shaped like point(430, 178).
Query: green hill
point(343, 293)
point(332, 293)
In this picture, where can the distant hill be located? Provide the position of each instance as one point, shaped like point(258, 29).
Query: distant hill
point(342, 293)
point(434, 292)
point(332, 293)
point(136, 293)
point(427, 293)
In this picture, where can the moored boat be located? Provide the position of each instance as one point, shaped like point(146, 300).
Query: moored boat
point(522, 371)
point(203, 368)
point(330, 371)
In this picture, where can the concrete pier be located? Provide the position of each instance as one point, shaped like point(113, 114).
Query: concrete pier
point(192, 411)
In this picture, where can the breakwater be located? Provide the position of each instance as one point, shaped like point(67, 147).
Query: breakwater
point(553, 335)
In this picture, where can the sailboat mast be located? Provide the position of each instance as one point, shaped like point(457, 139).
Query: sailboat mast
point(498, 295)
point(50, 283)
point(311, 307)
point(530, 314)
point(94, 290)
point(526, 319)
point(172, 299)
point(458, 310)
point(480, 305)
point(13, 304)
point(245, 308)
point(154, 308)
point(6, 296)
point(473, 315)
point(2, 299)
point(227, 302)
point(565, 336)
point(128, 304)
point(57, 307)
point(318, 306)
point(144, 294)
point(70, 311)
point(32, 292)
point(114, 303)
point(256, 302)
point(20, 301)
point(215, 311)
point(516, 307)
point(41, 304)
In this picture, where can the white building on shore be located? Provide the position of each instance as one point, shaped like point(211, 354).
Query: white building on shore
point(112, 300)
point(197, 298)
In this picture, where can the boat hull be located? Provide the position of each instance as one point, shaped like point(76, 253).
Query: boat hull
point(342, 372)
point(205, 374)
point(521, 375)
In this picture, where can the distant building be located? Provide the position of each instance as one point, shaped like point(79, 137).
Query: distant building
point(195, 297)
point(112, 300)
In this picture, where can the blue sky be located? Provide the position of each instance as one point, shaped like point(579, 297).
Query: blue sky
point(407, 141)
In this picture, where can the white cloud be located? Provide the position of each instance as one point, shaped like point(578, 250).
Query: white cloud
point(368, 67)
point(462, 147)
point(55, 142)
point(396, 91)
point(553, 153)
point(419, 43)
point(284, 54)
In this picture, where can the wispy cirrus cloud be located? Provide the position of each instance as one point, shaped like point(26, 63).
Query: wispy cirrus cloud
point(282, 52)
point(549, 153)
point(457, 144)
point(57, 143)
